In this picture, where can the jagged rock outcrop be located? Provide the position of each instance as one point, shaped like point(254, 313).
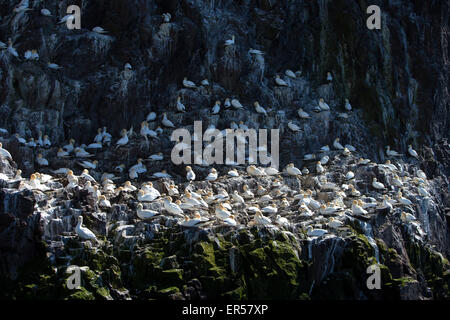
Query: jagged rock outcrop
point(396, 79)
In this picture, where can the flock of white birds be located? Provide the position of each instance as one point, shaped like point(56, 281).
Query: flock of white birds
point(272, 203)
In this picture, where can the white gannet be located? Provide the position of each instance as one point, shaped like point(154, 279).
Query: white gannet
point(392, 153)
point(233, 173)
point(145, 196)
point(315, 232)
point(255, 51)
point(266, 197)
point(302, 114)
point(106, 136)
point(292, 170)
point(403, 200)
point(146, 131)
point(83, 232)
point(377, 185)
point(173, 208)
point(166, 122)
point(41, 160)
point(96, 145)
point(270, 209)
point(149, 189)
point(162, 174)
point(270, 171)
point(386, 204)
point(99, 30)
point(216, 108)
point(190, 175)
point(260, 219)
point(221, 212)
point(197, 222)
point(20, 139)
point(309, 157)
point(85, 175)
point(412, 152)
point(346, 152)
point(260, 109)
point(127, 66)
point(166, 17)
point(353, 191)
point(88, 165)
point(293, 126)
point(27, 55)
point(53, 66)
point(11, 50)
point(204, 82)
point(230, 42)
point(397, 181)
point(243, 126)
point(236, 104)
point(34, 55)
point(39, 141)
point(212, 175)
point(139, 167)
point(132, 174)
point(348, 106)
point(81, 153)
point(350, 175)
point(350, 147)
point(103, 202)
point(46, 141)
point(66, 18)
point(124, 138)
point(145, 213)
point(319, 168)
point(337, 145)
point(230, 221)
point(70, 147)
point(247, 194)
point(128, 187)
point(280, 82)
point(323, 105)
point(99, 137)
point(290, 74)
point(238, 198)
point(284, 203)
point(151, 116)
point(305, 211)
point(324, 160)
point(335, 223)
point(357, 210)
point(405, 216)
point(227, 103)
point(180, 106)
point(420, 174)
point(329, 77)
point(188, 84)
point(156, 157)
point(254, 171)
point(5, 153)
point(423, 192)
point(260, 190)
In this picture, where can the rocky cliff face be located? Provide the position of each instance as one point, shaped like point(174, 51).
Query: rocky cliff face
point(396, 79)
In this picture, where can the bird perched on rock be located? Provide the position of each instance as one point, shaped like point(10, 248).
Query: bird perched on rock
point(280, 82)
point(83, 232)
point(180, 106)
point(260, 109)
point(412, 152)
point(188, 84)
